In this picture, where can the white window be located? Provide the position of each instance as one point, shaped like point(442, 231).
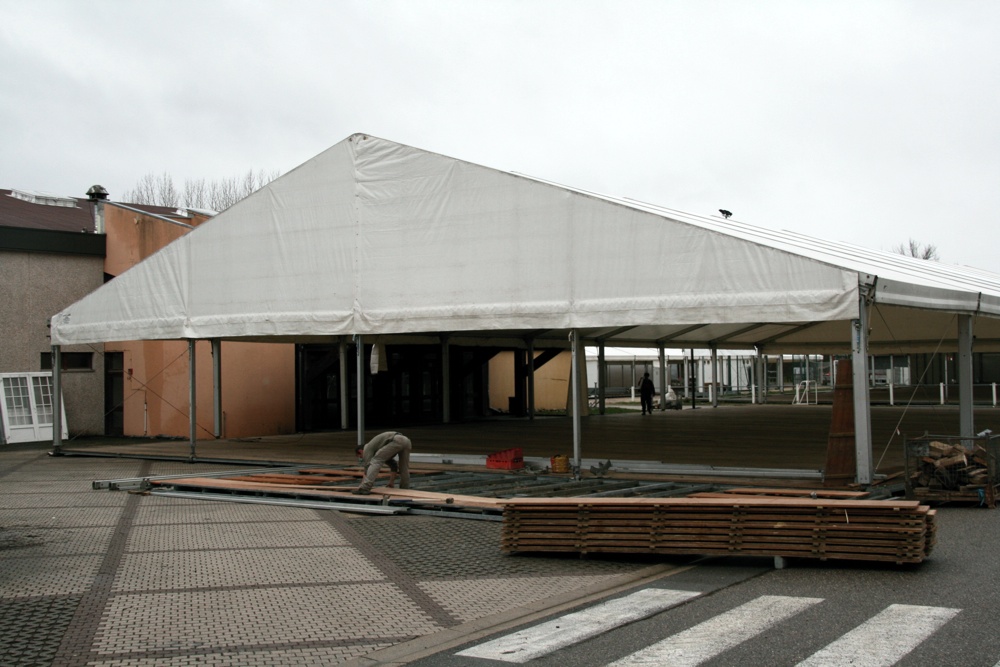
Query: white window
point(26, 407)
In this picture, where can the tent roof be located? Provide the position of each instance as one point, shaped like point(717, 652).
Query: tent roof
point(375, 238)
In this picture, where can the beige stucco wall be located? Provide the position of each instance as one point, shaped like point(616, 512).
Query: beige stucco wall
point(551, 382)
point(33, 287)
point(258, 390)
point(258, 379)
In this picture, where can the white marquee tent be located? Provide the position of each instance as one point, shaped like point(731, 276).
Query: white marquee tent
point(375, 238)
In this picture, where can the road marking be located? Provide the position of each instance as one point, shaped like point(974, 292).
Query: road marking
point(883, 639)
point(721, 633)
point(542, 639)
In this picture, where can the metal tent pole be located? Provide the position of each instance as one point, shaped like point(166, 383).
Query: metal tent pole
point(445, 380)
point(360, 348)
point(217, 385)
point(57, 400)
point(574, 338)
point(345, 408)
point(862, 404)
point(192, 397)
point(966, 422)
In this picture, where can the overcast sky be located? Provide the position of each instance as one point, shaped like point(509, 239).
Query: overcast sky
point(869, 121)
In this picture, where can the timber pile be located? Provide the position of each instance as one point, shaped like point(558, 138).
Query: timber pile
point(901, 531)
point(942, 471)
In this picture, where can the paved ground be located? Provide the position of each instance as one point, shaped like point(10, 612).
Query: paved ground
point(96, 577)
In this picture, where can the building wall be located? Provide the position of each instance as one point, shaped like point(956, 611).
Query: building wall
point(33, 287)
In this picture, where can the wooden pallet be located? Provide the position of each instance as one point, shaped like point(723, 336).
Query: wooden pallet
point(895, 531)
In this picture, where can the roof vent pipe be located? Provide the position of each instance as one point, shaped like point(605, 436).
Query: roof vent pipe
point(97, 195)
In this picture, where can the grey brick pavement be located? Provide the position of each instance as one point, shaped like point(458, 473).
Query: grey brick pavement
point(108, 578)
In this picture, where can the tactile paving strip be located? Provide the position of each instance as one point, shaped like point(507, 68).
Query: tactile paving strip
point(33, 629)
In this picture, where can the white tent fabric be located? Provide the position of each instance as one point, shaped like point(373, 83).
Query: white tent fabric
point(373, 237)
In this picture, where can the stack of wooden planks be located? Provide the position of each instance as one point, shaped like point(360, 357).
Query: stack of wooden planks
point(901, 531)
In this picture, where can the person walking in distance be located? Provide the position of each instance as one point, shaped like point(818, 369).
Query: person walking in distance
point(382, 450)
point(646, 390)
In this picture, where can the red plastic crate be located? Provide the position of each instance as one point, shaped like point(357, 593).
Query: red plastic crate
point(508, 459)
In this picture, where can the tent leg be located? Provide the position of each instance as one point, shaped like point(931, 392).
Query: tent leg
point(574, 338)
point(967, 428)
point(345, 415)
point(445, 380)
point(217, 385)
point(601, 378)
point(663, 378)
point(531, 378)
point(192, 397)
point(360, 349)
point(862, 404)
point(716, 385)
point(56, 400)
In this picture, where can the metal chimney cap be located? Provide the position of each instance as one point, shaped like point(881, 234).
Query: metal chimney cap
point(97, 192)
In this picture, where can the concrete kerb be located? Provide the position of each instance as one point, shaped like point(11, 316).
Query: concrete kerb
point(428, 645)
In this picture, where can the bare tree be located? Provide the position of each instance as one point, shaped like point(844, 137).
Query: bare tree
point(216, 195)
point(915, 249)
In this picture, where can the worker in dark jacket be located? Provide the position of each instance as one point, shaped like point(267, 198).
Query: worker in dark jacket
point(646, 391)
point(382, 450)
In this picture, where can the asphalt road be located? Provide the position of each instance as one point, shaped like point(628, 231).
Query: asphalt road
point(939, 613)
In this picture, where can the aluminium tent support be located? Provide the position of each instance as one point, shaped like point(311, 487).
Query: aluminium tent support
point(445, 380)
point(663, 377)
point(192, 397)
point(345, 416)
point(601, 377)
point(574, 338)
point(963, 362)
point(360, 356)
point(531, 377)
point(56, 400)
point(716, 385)
point(862, 404)
point(217, 385)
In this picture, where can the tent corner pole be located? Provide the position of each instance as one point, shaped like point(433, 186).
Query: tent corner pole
point(574, 338)
point(56, 400)
point(601, 377)
point(862, 404)
point(217, 385)
point(192, 398)
point(360, 355)
point(966, 416)
point(345, 408)
point(445, 379)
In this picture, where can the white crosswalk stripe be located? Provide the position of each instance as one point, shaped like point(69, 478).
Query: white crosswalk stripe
point(721, 633)
point(884, 639)
point(542, 639)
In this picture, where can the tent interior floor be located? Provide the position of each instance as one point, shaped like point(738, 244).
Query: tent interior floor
point(744, 436)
